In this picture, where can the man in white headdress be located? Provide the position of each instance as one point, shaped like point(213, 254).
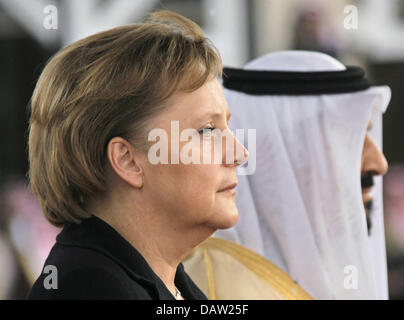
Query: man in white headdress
point(318, 132)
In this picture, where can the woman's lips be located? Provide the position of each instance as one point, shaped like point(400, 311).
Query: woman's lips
point(228, 192)
point(230, 189)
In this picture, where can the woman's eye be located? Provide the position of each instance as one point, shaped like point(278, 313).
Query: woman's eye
point(206, 131)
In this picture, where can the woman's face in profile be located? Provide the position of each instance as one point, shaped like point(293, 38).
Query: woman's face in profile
point(189, 184)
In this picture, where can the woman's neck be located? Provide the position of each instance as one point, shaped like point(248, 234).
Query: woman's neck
point(162, 243)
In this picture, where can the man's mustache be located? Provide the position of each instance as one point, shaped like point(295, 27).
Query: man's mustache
point(367, 180)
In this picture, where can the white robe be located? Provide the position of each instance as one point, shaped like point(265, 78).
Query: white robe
point(302, 208)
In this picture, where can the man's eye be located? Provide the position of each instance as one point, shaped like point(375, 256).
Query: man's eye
point(206, 131)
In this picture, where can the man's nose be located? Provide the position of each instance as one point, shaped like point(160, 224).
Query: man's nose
point(373, 159)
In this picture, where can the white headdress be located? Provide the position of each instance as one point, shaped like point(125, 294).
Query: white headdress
point(302, 208)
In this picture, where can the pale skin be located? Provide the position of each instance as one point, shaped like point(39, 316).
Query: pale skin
point(165, 210)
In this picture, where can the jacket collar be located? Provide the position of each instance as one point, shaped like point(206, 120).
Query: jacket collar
point(95, 234)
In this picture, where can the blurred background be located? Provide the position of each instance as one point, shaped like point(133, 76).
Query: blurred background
point(369, 33)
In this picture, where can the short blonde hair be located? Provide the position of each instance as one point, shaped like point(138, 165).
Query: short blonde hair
point(106, 85)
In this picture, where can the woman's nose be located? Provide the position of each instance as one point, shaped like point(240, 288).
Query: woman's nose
point(236, 154)
point(242, 155)
point(373, 159)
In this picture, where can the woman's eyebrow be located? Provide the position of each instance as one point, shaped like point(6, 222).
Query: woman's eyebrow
point(215, 115)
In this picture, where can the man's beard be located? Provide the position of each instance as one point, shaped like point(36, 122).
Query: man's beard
point(369, 212)
point(367, 182)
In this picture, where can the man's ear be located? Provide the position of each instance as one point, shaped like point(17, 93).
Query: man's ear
point(124, 163)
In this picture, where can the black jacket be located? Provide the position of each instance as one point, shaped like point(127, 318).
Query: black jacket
point(93, 261)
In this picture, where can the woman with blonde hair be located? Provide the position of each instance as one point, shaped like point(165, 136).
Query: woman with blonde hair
point(128, 220)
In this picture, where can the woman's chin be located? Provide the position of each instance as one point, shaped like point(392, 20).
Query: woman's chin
point(225, 219)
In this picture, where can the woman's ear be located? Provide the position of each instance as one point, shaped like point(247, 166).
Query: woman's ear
point(123, 161)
